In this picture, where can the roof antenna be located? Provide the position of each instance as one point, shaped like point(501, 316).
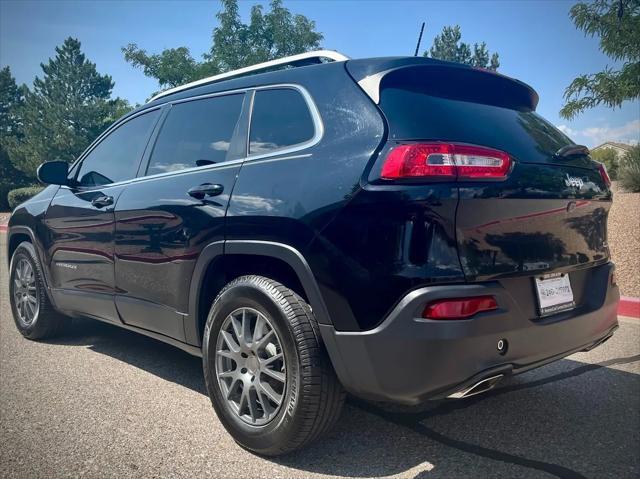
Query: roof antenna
point(419, 40)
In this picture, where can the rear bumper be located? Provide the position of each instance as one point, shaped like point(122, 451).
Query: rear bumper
point(407, 359)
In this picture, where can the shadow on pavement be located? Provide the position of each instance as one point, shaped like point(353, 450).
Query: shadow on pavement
point(568, 419)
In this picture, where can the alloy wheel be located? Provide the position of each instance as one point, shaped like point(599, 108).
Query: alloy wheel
point(25, 293)
point(251, 366)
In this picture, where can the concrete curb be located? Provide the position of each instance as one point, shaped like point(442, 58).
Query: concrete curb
point(629, 307)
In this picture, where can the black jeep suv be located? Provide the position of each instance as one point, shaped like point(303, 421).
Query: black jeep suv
point(400, 228)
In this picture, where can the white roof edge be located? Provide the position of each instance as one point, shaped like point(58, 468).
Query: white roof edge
point(330, 54)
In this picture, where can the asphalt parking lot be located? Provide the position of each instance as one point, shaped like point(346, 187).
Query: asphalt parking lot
point(103, 402)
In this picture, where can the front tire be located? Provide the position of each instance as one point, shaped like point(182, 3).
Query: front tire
point(33, 313)
point(266, 370)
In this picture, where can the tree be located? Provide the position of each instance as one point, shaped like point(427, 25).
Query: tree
point(617, 24)
point(11, 100)
point(610, 159)
point(448, 46)
point(171, 67)
point(66, 110)
point(268, 36)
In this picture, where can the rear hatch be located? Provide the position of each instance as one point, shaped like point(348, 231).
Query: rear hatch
point(550, 212)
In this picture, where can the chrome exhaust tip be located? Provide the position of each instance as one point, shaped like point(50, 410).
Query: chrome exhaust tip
point(477, 388)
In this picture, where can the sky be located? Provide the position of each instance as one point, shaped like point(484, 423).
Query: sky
point(536, 40)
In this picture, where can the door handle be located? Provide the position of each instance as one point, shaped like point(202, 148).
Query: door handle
point(206, 189)
point(102, 201)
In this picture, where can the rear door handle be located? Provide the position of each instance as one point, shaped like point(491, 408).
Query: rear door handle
point(102, 201)
point(206, 189)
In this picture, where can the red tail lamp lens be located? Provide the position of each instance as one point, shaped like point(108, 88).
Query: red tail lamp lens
point(459, 308)
point(446, 160)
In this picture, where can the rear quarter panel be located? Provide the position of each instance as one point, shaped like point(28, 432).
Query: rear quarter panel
point(292, 198)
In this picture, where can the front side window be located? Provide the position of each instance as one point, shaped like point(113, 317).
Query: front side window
point(117, 156)
point(280, 119)
point(196, 133)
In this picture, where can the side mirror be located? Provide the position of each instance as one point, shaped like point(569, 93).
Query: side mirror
point(54, 172)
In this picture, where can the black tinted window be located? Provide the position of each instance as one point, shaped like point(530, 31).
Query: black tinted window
point(280, 118)
point(450, 107)
point(196, 133)
point(116, 158)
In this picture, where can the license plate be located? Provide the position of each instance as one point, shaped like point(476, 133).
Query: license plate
point(554, 294)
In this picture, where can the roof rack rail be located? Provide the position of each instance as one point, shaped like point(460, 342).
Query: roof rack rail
point(301, 59)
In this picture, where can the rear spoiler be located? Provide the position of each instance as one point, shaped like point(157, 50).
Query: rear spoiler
point(371, 73)
point(570, 151)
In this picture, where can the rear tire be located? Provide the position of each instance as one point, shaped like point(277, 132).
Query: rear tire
point(33, 313)
point(311, 396)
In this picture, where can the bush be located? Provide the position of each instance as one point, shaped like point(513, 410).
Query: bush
point(20, 195)
point(629, 171)
point(7, 185)
point(610, 160)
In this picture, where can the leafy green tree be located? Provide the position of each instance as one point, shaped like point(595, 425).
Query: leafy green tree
point(11, 100)
point(268, 36)
point(610, 159)
point(448, 46)
point(171, 67)
point(66, 110)
point(617, 24)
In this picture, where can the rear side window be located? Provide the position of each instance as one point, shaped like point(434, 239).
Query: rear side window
point(117, 156)
point(280, 119)
point(196, 133)
point(467, 106)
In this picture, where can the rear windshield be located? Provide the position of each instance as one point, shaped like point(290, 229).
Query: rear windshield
point(485, 109)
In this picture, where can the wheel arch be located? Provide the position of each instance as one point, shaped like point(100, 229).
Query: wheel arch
point(215, 267)
point(19, 234)
point(15, 238)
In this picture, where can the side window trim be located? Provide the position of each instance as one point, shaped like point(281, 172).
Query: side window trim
point(153, 138)
point(245, 121)
point(318, 126)
point(240, 138)
point(76, 165)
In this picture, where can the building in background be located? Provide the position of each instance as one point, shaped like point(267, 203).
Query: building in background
point(620, 149)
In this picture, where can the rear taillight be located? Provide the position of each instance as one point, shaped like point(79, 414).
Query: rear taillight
point(604, 174)
point(459, 308)
point(446, 161)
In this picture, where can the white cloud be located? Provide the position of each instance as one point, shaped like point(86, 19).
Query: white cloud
point(566, 130)
point(596, 135)
point(220, 145)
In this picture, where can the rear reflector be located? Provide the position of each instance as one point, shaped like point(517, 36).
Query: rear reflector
point(604, 174)
point(446, 160)
point(459, 308)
